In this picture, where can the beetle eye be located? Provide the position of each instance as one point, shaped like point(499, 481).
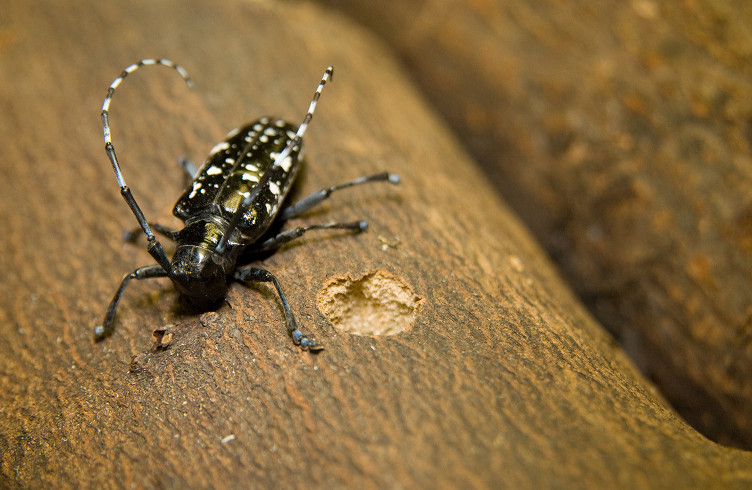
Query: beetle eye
point(218, 259)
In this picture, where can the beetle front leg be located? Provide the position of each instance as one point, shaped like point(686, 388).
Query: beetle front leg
point(148, 272)
point(254, 274)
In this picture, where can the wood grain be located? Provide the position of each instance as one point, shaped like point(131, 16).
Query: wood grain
point(620, 133)
point(502, 380)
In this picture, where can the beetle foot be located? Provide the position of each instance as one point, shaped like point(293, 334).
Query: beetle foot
point(101, 333)
point(304, 342)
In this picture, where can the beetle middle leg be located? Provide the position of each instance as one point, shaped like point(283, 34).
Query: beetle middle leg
point(254, 274)
point(286, 236)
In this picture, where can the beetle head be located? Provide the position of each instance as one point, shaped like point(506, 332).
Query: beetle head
point(197, 276)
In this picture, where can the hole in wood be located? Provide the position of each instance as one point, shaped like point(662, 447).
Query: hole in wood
point(377, 303)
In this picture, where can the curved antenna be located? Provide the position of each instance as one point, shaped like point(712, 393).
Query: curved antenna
point(154, 248)
point(283, 155)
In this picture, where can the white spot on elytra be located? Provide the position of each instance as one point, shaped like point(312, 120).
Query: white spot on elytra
point(213, 170)
point(196, 187)
point(244, 194)
point(229, 160)
point(274, 187)
point(268, 208)
point(264, 138)
point(232, 133)
point(219, 147)
point(251, 177)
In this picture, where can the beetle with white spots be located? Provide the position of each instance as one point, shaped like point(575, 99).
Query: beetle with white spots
point(233, 208)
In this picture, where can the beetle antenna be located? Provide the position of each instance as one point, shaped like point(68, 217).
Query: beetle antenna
point(154, 247)
point(294, 143)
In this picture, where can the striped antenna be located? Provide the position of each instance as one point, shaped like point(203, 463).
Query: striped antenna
point(155, 248)
point(284, 154)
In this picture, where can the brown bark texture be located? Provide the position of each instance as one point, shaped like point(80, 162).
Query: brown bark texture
point(480, 368)
point(620, 133)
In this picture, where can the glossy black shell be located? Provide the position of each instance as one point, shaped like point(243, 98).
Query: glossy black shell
point(234, 168)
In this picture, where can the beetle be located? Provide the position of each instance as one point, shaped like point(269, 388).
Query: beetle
point(234, 207)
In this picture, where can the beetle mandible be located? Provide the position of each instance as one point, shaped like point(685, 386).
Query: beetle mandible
point(233, 207)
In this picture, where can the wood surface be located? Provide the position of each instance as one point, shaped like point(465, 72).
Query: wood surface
point(620, 134)
point(500, 378)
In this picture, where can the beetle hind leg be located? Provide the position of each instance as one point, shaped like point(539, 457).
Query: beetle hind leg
point(190, 168)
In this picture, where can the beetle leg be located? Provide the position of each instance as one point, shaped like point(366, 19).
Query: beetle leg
point(314, 199)
point(283, 237)
point(148, 272)
point(132, 235)
point(190, 168)
point(254, 274)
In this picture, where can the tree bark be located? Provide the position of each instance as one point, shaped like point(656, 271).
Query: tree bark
point(492, 373)
point(620, 134)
